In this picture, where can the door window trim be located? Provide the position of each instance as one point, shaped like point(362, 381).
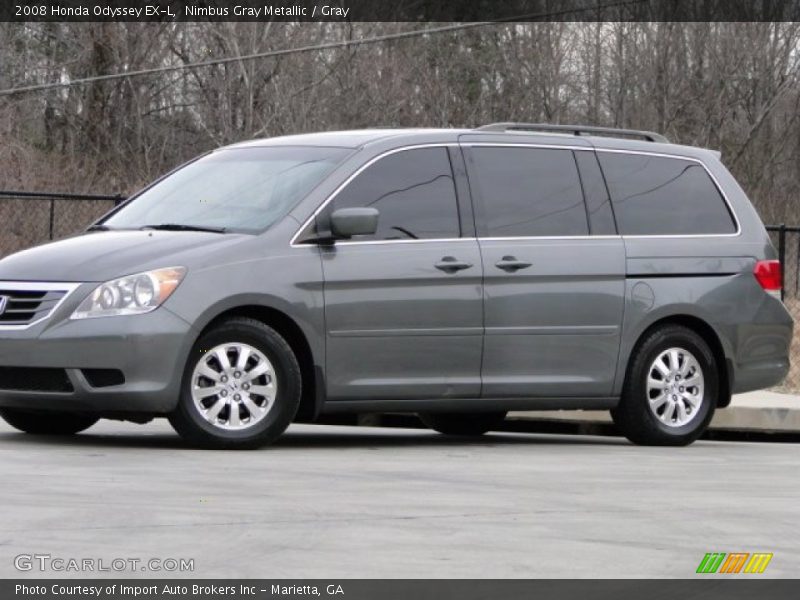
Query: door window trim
point(293, 243)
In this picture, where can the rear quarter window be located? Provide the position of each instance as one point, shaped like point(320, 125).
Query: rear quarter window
point(654, 195)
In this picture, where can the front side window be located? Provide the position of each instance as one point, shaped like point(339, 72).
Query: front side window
point(655, 195)
point(528, 192)
point(237, 189)
point(414, 193)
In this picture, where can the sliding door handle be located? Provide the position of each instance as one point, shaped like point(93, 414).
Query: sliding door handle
point(450, 264)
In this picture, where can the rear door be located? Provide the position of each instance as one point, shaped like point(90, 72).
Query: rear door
point(403, 307)
point(554, 271)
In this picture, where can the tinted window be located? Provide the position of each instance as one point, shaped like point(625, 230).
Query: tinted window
point(598, 204)
point(529, 192)
point(663, 196)
point(240, 189)
point(413, 191)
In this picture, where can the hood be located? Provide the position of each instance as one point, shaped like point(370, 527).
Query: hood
point(103, 255)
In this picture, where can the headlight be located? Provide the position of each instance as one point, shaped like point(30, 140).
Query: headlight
point(131, 295)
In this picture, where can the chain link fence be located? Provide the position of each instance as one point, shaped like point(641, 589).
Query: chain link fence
point(787, 241)
point(30, 218)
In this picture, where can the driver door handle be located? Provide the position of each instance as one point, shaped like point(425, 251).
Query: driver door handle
point(450, 264)
point(511, 264)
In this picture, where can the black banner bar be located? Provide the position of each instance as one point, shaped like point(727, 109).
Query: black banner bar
point(398, 10)
point(705, 587)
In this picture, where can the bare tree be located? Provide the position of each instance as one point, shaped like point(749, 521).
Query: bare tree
point(731, 86)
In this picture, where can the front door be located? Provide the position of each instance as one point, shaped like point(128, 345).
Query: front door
point(403, 307)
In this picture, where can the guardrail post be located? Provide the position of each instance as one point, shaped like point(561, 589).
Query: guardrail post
point(782, 255)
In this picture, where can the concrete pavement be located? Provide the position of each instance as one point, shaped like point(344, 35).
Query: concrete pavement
point(340, 502)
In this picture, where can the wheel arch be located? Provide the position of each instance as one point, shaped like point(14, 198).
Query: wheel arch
point(289, 329)
point(702, 328)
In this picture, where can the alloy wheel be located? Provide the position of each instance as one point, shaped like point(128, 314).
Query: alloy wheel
point(675, 386)
point(234, 386)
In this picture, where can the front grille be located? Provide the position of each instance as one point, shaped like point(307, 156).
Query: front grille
point(28, 304)
point(34, 379)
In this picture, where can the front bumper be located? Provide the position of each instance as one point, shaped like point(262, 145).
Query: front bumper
point(150, 350)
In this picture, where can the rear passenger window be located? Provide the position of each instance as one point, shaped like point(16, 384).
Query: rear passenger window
point(528, 192)
point(654, 195)
point(414, 192)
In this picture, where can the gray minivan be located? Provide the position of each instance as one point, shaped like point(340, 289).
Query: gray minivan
point(458, 274)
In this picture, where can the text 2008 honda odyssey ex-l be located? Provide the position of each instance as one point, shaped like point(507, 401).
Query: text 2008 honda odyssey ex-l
point(458, 274)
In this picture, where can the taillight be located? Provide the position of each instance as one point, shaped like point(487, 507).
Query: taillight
point(768, 275)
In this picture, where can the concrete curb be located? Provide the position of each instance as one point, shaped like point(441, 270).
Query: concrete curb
point(756, 411)
point(757, 417)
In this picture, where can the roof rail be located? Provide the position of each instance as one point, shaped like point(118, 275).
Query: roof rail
point(650, 136)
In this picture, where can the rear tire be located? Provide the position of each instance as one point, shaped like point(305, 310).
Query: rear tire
point(463, 423)
point(240, 389)
point(671, 389)
point(45, 422)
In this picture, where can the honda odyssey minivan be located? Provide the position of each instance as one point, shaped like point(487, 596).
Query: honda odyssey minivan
point(457, 274)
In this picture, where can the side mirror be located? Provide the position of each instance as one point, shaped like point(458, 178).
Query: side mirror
point(347, 222)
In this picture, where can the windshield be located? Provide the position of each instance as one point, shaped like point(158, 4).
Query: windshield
point(239, 189)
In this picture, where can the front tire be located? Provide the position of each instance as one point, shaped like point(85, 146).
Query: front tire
point(45, 422)
point(463, 423)
point(671, 389)
point(241, 387)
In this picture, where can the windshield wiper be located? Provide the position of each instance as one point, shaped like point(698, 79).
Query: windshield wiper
point(180, 227)
point(98, 228)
